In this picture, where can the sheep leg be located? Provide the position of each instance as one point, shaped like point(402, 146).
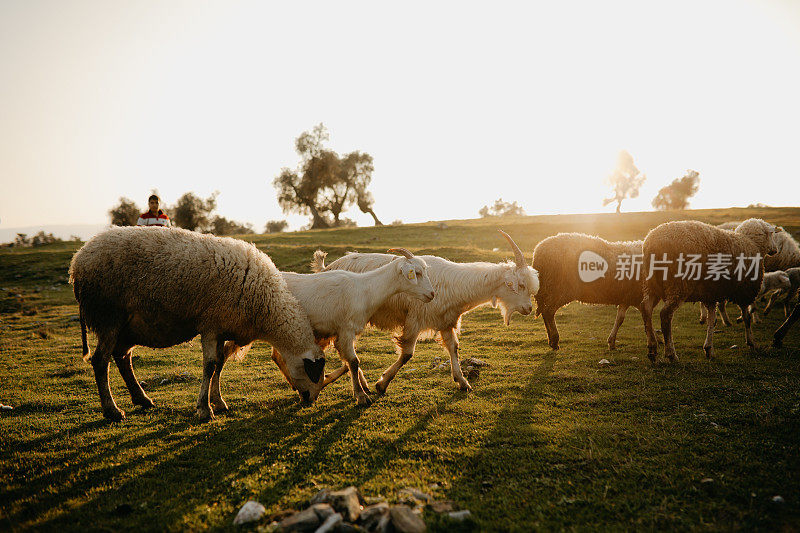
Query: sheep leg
point(406, 344)
point(724, 314)
point(122, 357)
point(217, 402)
point(647, 318)
point(101, 360)
point(708, 345)
point(773, 299)
point(780, 333)
point(278, 358)
point(612, 338)
point(703, 314)
point(666, 327)
point(549, 318)
point(213, 352)
point(748, 329)
point(231, 349)
point(450, 341)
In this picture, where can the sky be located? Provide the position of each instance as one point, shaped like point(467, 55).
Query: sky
point(458, 103)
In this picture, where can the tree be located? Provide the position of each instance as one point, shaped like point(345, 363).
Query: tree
point(676, 195)
point(325, 184)
point(222, 226)
point(624, 181)
point(275, 226)
point(502, 209)
point(193, 213)
point(124, 214)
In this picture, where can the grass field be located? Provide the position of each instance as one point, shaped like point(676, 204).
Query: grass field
point(547, 440)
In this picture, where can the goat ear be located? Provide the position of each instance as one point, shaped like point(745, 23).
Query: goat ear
point(314, 369)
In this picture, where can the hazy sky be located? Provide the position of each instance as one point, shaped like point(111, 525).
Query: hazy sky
point(459, 103)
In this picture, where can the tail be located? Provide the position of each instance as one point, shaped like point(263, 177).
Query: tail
point(86, 352)
point(318, 263)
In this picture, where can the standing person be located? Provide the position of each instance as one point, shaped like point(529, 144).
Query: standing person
point(155, 216)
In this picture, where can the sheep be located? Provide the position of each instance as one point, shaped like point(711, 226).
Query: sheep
point(780, 333)
point(460, 287)
point(786, 292)
point(557, 260)
point(158, 288)
point(787, 257)
point(339, 304)
point(669, 251)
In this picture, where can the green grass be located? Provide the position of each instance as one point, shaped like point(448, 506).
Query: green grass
point(547, 440)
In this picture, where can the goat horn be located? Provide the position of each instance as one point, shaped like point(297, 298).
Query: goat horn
point(401, 251)
point(519, 259)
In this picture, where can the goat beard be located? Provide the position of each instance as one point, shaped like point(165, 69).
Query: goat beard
point(506, 313)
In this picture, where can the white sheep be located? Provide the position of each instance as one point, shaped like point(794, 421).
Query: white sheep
point(667, 244)
point(339, 304)
point(785, 293)
point(156, 287)
point(460, 287)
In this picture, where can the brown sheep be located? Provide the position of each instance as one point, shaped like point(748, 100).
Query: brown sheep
point(556, 259)
point(668, 244)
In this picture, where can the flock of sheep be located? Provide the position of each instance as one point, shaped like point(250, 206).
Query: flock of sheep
point(156, 287)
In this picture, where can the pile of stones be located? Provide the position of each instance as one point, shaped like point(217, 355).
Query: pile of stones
point(346, 511)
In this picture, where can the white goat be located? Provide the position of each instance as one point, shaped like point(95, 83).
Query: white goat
point(460, 287)
point(339, 304)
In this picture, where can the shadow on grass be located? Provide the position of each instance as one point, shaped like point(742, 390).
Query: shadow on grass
point(190, 470)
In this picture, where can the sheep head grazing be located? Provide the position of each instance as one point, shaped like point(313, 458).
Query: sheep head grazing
point(520, 283)
point(760, 232)
point(307, 372)
point(414, 273)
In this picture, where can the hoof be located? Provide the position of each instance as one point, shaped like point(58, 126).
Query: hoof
point(144, 403)
point(554, 345)
point(777, 343)
point(380, 388)
point(612, 346)
point(672, 358)
point(465, 386)
point(205, 415)
point(220, 406)
point(115, 415)
point(363, 400)
point(709, 353)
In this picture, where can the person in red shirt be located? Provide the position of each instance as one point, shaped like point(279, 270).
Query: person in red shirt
point(155, 216)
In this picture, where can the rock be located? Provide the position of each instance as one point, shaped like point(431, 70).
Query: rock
point(441, 507)
point(706, 480)
point(251, 511)
point(330, 523)
point(6, 407)
point(603, 362)
point(472, 372)
point(444, 367)
point(303, 521)
point(474, 361)
point(436, 361)
point(372, 515)
point(346, 501)
point(323, 510)
point(405, 520)
point(415, 494)
point(777, 499)
point(734, 346)
point(460, 516)
point(320, 497)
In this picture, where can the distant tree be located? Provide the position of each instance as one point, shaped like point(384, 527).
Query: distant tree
point(758, 205)
point(222, 226)
point(193, 213)
point(624, 181)
point(74, 238)
point(675, 196)
point(502, 209)
point(43, 238)
point(276, 226)
point(325, 184)
point(22, 240)
point(397, 222)
point(126, 213)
